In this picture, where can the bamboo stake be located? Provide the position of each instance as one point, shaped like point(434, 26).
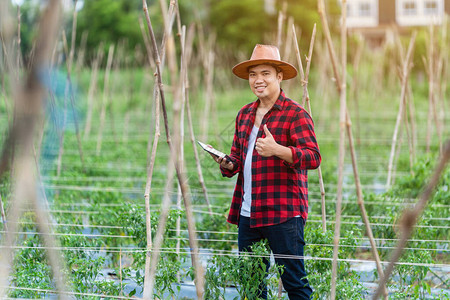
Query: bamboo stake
point(92, 90)
point(105, 98)
point(324, 20)
point(6, 28)
point(170, 42)
point(289, 39)
point(280, 28)
point(360, 200)
point(340, 87)
point(147, 44)
point(281, 17)
point(411, 216)
point(412, 114)
point(408, 130)
point(61, 131)
point(432, 112)
point(443, 73)
point(171, 18)
point(304, 78)
point(342, 123)
point(74, 35)
point(29, 106)
point(181, 178)
point(70, 87)
point(404, 77)
point(353, 88)
point(19, 42)
point(430, 73)
point(209, 81)
point(181, 93)
point(159, 236)
point(81, 54)
point(148, 281)
point(129, 100)
point(191, 127)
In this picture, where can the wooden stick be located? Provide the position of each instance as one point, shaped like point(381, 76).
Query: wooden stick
point(408, 130)
point(304, 79)
point(92, 90)
point(62, 129)
point(432, 112)
point(354, 87)
point(331, 52)
point(82, 52)
point(360, 200)
point(104, 99)
point(289, 39)
point(149, 278)
point(281, 18)
point(147, 281)
point(405, 74)
point(342, 124)
point(181, 177)
point(19, 42)
point(340, 87)
point(191, 127)
point(181, 95)
point(159, 236)
point(430, 73)
point(412, 114)
point(279, 28)
point(70, 85)
point(29, 106)
point(411, 216)
point(209, 82)
point(147, 44)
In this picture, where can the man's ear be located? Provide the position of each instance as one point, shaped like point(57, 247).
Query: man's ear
point(280, 76)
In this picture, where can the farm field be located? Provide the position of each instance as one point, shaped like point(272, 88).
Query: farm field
point(99, 216)
point(97, 203)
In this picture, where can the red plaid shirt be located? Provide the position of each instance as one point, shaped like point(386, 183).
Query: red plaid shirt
point(279, 189)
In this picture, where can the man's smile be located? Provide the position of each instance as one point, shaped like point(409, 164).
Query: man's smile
point(260, 88)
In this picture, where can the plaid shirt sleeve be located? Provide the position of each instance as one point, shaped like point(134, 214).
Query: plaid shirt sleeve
point(305, 151)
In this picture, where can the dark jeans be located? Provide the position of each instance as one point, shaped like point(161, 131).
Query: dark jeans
point(284, 239)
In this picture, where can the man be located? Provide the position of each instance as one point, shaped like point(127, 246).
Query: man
point(273, 146)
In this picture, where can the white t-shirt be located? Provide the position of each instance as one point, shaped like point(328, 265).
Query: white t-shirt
point(247, 201)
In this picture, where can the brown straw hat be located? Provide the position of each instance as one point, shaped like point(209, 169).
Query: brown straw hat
point(265, 54)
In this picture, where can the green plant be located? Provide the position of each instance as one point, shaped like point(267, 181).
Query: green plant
point(243, 272)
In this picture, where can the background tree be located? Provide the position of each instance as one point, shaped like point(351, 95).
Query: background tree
point(240, 24)
point(110, 21)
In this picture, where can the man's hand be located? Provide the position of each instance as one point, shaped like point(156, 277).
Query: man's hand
point(267, 146)
point(223, 162)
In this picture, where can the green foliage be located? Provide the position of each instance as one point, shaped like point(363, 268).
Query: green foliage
point(230, 19)
point(110, 22)
point(411, 186)
point(214, 231)
point(243, 272)
point(31, 270)
point(319, 271)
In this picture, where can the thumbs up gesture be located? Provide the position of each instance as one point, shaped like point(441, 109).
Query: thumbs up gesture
point(266, 146)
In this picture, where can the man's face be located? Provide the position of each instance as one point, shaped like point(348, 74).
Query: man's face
point(265, 81)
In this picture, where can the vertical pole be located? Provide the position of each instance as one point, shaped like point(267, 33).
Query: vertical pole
point(342, 124)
